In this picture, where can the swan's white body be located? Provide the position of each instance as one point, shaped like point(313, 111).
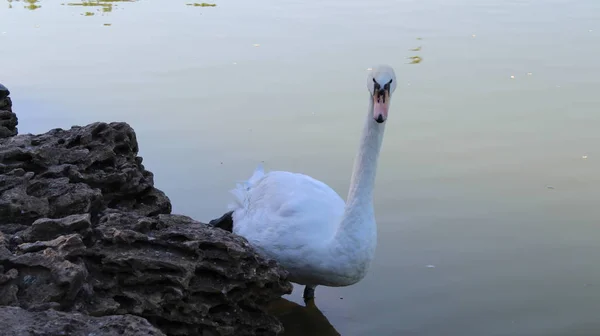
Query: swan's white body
point(293, 219)
point(305, 225)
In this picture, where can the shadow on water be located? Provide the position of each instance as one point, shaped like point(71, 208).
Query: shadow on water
point(301, 320)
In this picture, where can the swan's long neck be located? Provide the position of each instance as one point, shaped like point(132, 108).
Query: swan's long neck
point(360, 195)
point(357, 233)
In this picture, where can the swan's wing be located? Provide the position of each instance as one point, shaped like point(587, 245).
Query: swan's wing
point(283, 210)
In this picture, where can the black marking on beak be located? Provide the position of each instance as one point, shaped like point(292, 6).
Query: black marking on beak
point(376, 86)
point(379, 92)
point(387, 86)
point(380, 95)
point(379, 119)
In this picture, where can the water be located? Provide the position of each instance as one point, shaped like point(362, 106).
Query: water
point(488, 185)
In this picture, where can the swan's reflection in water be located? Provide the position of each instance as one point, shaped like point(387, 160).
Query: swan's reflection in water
point(301, 320)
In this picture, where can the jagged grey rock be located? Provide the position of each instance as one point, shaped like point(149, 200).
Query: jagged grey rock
point(8, 120)
point(15, 321)
point(84, 230)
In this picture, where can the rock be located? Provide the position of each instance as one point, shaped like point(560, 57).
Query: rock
point(175, 270)
point(224, 222)
point(81, 170)
point(46, 228)
point(15, 321)
point(8, 120)
point(84, 230)
point(4, 92)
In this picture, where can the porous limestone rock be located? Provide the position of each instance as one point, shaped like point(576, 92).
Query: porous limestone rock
point(84, 230)
point(8, 120)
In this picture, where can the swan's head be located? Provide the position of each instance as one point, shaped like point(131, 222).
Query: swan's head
point(381, 82)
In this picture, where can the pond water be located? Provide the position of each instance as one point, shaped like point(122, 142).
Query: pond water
point(488, 186)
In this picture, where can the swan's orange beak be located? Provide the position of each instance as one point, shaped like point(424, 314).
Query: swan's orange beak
point(381, 103)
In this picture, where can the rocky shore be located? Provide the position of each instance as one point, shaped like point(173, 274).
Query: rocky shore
point(88, 246)
point(8, 120)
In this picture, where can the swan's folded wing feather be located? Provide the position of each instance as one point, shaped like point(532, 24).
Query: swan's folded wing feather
point(288, 210)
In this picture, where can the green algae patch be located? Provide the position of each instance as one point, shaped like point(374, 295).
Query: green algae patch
point(29, 4)
point(415, 59)
point(105, 5)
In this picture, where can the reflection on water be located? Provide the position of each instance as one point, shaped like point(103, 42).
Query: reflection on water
point(301, 320)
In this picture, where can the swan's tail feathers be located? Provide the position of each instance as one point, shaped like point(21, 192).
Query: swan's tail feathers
point(259, 172)
point(241, 192)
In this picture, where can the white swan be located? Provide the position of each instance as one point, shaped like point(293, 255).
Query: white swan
point(304, 224)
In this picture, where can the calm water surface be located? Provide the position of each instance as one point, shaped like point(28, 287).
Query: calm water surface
point(488, 188)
